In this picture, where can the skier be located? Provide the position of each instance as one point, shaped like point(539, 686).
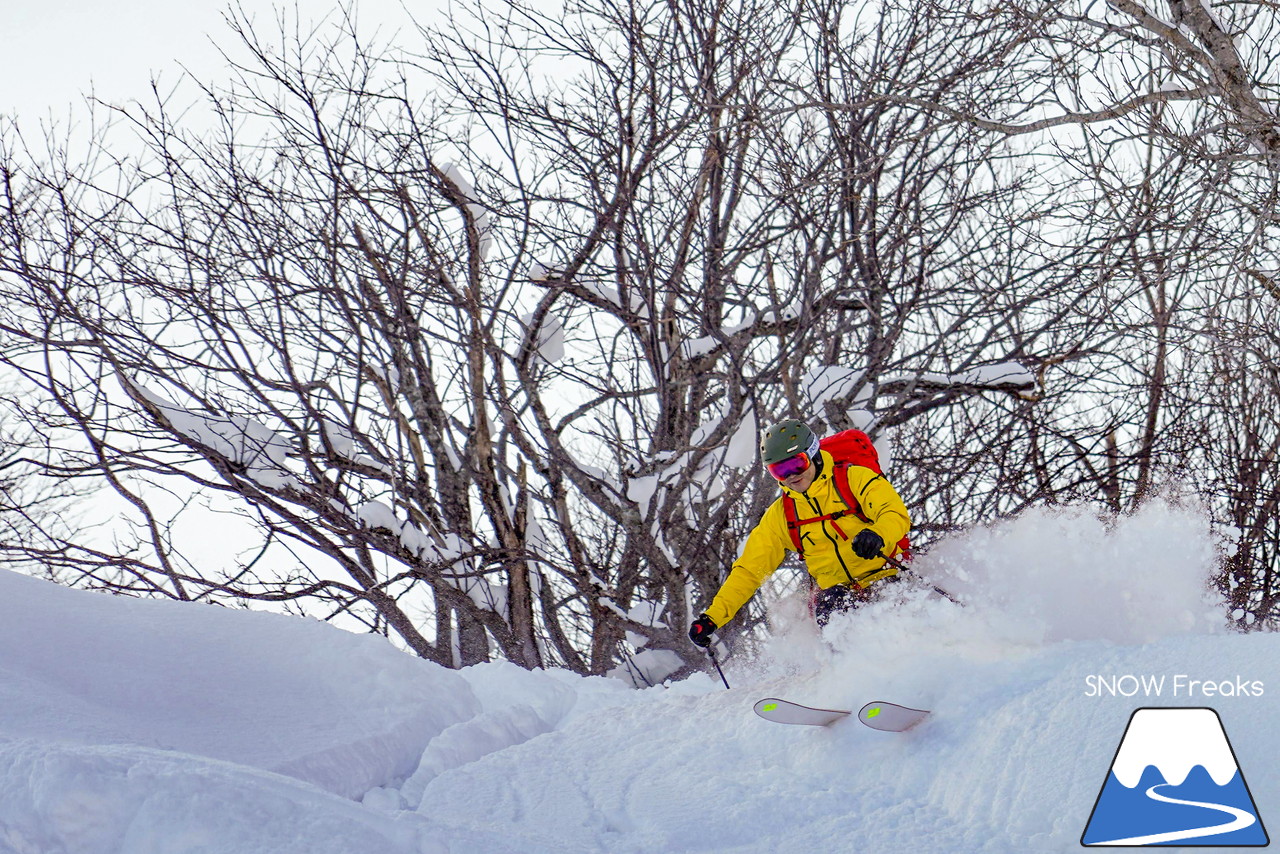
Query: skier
point(843, 546)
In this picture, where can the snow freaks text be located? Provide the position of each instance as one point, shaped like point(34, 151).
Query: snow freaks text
point(1179, 685)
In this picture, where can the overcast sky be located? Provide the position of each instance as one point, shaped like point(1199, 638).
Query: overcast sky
point(54, 51)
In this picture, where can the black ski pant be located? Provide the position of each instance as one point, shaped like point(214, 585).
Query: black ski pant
point(845, 597)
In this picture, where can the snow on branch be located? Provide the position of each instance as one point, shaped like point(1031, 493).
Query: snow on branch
point(377, 516)
point(345, 447)
point(846, 394)
point(464, 195)
point(1115, 111)
point(845, 388)
point(248, 448)
point(756, 324)
point(543, 336)
point(1009, 377)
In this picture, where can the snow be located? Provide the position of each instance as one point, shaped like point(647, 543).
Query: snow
point(782, 314)
point(647, 614)
point(832, 382)
point(641, 490)
point(548, 337)
point(827, 383)
point(375, 515)
point(1174, 745)
point(478, 214)
point(242, 441)
point(147, 726)
point(340, 438)
point(1152, 590)
point(281, 694)
point(346, 445)
point(999, 374)
point(56, 797)
point(741, 451)
point(696, 348)
point(540, 272)
point(1003, 373)
point(708, 480)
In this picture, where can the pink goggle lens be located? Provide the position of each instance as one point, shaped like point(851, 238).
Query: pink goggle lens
point(790, 467)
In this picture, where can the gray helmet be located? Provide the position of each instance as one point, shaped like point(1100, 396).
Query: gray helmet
point(786, 439)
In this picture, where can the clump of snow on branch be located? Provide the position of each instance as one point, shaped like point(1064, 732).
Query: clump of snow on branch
point(258, 451)
point(644, 666)
point(834, 383)
point(375, 515)
point(346, 446)
point(740, 453)
point(646, 614)
point(695, 348)
point(708, 478)
point(540, 272)
point(1001, 375)
point(782, 314)
point(547, 339)
point(478, 213)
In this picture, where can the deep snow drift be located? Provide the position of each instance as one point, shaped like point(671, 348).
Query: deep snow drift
point(136, 726)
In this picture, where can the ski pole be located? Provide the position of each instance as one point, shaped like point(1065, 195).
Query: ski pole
point(711, 652)
point(902, 567)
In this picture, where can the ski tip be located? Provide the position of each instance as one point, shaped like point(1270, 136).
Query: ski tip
point(787, 712)
point(877, 707)
point(890, 717)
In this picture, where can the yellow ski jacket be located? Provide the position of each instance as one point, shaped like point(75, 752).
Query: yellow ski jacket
point(828, 556)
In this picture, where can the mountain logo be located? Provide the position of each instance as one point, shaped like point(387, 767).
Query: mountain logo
point(1175, 781)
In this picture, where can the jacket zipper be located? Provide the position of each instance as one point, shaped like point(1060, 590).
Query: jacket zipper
point(834, 544)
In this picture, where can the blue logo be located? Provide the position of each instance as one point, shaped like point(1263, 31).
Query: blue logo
point(1175, 781)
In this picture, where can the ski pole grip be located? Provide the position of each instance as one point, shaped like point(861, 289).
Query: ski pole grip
point(894, 562)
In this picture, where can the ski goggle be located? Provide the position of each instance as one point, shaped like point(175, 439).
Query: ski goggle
point(790, 467)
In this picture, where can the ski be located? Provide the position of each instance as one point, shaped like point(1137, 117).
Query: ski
point(787, 712)
point(886, 717)
point(890, 717)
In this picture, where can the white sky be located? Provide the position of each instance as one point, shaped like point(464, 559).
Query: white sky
point(52, 52)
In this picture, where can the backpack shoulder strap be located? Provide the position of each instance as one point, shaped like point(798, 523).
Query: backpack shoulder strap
point(793, 523)
point(841, 478)
point(845, 491)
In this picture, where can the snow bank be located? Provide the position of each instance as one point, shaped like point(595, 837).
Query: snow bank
point(1011, 761)
point(297, 697)
point(518, 705)
point(56, 797)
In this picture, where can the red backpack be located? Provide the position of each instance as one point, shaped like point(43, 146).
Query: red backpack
point(847, 448)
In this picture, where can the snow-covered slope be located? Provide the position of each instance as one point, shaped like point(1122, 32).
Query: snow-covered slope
point(130, 726)
point(297, 697)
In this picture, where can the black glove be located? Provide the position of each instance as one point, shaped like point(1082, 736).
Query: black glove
point(700, 631)
point(868, 544)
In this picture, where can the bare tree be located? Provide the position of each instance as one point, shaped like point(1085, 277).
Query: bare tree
point(32, 503)
point(483, 367)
